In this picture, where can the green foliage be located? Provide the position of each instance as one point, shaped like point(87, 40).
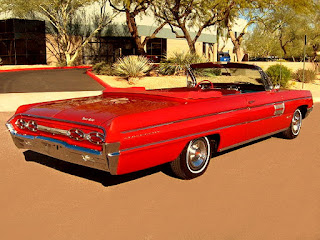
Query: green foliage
point(309, 75)
point(188, 17)
point(132, 66)
point(282, 31)
point(177, 64)
point(279, 74)
point(103, 68)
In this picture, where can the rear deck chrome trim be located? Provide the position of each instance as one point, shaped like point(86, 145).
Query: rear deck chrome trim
point(53, 130)
point(61, 120)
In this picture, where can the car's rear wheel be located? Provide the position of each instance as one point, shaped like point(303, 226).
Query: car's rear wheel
point(295, 126)
point(193, 160)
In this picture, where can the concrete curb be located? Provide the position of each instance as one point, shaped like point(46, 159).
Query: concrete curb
point(42, 68)
point(97, 79)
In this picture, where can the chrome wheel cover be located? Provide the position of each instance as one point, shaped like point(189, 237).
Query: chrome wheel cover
point(296, 122)
point(198, 155)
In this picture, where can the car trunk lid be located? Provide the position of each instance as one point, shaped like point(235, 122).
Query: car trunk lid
point(99, 109)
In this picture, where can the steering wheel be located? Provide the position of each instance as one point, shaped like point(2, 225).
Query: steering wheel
point(199, 84)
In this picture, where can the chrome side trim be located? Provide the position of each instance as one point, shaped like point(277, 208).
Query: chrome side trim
point(279, 109)
point(251, 140)
point(183, 120)
point(204, 133)
point(209, 115)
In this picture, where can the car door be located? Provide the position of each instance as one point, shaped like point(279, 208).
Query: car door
point(266, 109)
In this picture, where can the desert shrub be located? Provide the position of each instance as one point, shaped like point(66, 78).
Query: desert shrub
point(176, 65)
point(309, 75)
point(1, 62)
point(277, 70)
point(132, 66)
point(103, 68)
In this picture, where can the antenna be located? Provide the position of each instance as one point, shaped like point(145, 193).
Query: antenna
point(304, 60)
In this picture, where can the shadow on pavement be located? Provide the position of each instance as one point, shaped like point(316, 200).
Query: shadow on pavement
point(248, 144)
point(105, 178)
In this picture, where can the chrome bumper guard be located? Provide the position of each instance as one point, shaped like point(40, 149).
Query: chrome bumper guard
point(106, 160)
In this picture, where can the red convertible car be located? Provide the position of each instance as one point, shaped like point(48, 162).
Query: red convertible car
point(126, 130)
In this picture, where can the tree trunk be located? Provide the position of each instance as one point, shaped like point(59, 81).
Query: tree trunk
point(192, 47)
point(190, 41)
point(68, 58)
point(283, 45)
point(74, 58)
point(238, 53)
point(284, 51)
point(236, 43)
point(133, 29)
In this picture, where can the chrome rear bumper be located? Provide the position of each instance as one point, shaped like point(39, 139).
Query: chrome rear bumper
point(106, 160)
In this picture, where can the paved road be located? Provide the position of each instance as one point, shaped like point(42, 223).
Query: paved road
point(66, 80)
point(267, 190)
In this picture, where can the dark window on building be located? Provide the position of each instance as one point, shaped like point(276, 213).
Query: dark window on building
point(108, 49)
point(22, 41)
point(204, 49)
point(157, 49)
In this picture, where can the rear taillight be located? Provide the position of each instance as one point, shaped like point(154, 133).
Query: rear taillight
point(32, 126)
point(76, 134)
point(23, 124)
point(20, 123)
point(95, 137)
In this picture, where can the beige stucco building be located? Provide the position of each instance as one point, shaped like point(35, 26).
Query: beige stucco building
point(115, 41)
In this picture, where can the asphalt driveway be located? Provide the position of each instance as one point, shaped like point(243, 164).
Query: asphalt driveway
point(266, 190)
point(58, 80)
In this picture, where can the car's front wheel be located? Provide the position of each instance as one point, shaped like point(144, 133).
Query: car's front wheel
point(193, 160)
point(295, 126)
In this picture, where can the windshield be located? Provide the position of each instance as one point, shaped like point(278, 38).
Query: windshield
point(227, 76)
point(230, 75)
